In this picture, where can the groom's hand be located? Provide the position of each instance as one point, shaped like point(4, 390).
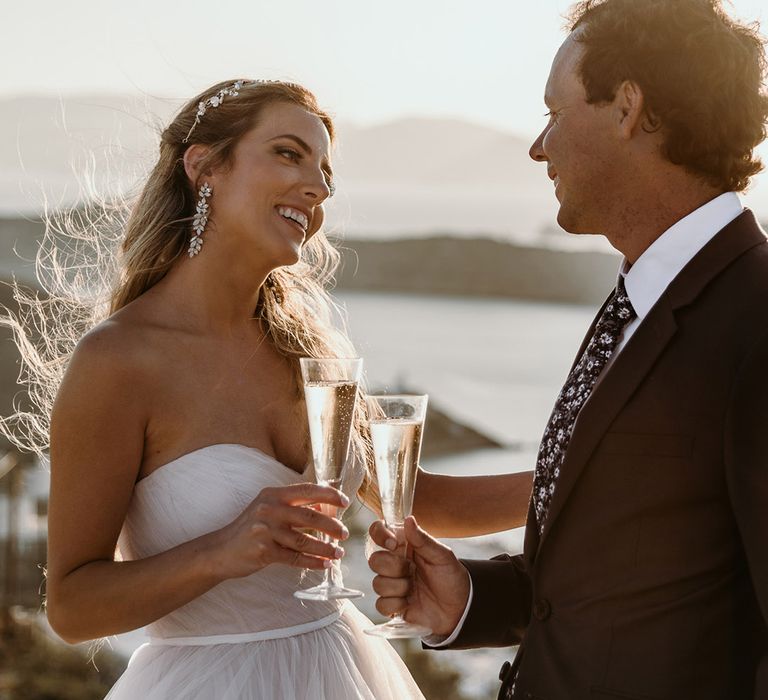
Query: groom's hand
point(431, 587)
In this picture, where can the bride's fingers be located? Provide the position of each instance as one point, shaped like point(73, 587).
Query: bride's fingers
point(301, 542)
point(305, 494)
point(299, 560)
point(304, 518)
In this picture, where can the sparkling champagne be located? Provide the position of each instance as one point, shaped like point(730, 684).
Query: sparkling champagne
point(396, 447)
point(396, 422)
point(330, 409)
point(330, 391)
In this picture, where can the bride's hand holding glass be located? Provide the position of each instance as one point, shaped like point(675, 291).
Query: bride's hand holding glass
point(273, 529)
point(330, 392)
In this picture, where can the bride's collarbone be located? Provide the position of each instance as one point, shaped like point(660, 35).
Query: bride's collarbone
point(169, 442)
point(189, 414)
point(242, 368)
point(205, 393)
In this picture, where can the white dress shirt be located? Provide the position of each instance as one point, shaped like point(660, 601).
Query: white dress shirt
point(645, 282)
point(664, 259)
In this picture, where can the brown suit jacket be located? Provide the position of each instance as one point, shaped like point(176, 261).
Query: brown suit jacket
point(650, 580)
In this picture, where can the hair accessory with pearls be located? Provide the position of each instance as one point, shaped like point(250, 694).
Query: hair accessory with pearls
point(214, 101)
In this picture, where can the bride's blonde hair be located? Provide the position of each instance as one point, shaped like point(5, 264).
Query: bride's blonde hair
point(85, 277)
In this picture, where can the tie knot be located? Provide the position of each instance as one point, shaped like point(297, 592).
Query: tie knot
point(619, 310)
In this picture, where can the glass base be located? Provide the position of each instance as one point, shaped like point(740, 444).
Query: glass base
point(398, 629)
point(325, 592)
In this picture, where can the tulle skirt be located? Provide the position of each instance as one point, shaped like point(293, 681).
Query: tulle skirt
point(336, 662)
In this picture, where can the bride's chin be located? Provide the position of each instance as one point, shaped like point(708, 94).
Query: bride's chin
point(294, 257)
point(287, 258)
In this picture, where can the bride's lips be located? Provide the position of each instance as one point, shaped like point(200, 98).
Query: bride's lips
point(294, 216)
point(294, 224)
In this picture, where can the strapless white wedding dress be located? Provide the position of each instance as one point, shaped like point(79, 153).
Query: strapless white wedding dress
point(246, 638)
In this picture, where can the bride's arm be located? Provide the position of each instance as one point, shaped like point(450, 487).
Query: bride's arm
point(465, 506)
point(97, 440)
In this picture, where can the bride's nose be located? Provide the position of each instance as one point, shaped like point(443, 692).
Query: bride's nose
point(316, 187)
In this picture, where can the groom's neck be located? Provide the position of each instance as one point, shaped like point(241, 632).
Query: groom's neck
point(652, 203)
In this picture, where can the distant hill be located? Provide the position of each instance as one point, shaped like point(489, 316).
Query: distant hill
point(408, 177)
point(437, 264)
point(411, 176)
point(434, 152)
point(477, 267)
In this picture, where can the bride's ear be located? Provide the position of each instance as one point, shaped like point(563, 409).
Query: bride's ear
point(194, 159)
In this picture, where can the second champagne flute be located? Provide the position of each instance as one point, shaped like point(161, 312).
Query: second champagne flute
point(330, 392)
point(397, 423)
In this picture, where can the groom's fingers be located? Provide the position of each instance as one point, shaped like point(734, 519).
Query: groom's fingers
point(382, 536)
point(427, 547)
point(386, 587)
point(389, 564)
point(391, 606)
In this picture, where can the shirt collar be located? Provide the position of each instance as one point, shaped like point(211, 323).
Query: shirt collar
point(663, 260)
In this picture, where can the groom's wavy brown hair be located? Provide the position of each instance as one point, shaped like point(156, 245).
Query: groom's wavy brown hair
point(702, 75)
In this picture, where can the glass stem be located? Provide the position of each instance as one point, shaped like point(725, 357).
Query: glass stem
point(330, 573)
point(397, 618)
point(330, 580)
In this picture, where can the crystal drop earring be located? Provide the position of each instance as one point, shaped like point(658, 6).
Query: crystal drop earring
point(200, 220)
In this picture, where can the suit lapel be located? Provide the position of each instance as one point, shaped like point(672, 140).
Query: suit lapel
point(531, 540)
point(617, 384)
point(612, 390)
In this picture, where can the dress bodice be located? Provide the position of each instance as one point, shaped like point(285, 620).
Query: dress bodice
point(201, 492)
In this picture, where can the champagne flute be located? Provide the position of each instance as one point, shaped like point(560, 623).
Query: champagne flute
point(330, 392)
point(397, 424)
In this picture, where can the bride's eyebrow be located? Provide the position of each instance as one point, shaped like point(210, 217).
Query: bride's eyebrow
point(298, 140)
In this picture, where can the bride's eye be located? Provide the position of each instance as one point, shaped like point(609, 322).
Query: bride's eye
point(289, 153)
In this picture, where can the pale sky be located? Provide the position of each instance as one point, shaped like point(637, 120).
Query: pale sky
point(481, 60)
point(484, 61)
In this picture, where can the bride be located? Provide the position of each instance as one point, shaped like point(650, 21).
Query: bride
point(180, 499)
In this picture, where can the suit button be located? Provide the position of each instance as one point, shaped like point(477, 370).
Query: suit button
point(542, 609)
point(504, 670)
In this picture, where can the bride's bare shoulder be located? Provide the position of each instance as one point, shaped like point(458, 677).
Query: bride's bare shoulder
point(111, 378)
point(125, 346)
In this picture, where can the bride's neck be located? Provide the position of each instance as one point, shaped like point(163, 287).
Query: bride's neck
point(212, 297)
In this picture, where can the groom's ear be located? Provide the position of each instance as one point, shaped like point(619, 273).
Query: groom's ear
point(629, 110)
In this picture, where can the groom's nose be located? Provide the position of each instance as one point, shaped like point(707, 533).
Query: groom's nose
point(536, 151)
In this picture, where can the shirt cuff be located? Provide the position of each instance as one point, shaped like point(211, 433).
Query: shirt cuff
point(436, 641)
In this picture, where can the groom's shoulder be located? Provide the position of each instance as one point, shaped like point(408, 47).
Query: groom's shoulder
point(744, 242)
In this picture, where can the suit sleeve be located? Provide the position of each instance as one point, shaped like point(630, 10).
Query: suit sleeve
point(746, 461)
point(501, 603)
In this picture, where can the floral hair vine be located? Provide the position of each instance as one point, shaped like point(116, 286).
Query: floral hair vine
point(214, 101)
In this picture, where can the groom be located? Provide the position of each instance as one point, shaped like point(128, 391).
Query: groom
point(645, 567)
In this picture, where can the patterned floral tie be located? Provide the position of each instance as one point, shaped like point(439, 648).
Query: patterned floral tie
point(574, 394)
